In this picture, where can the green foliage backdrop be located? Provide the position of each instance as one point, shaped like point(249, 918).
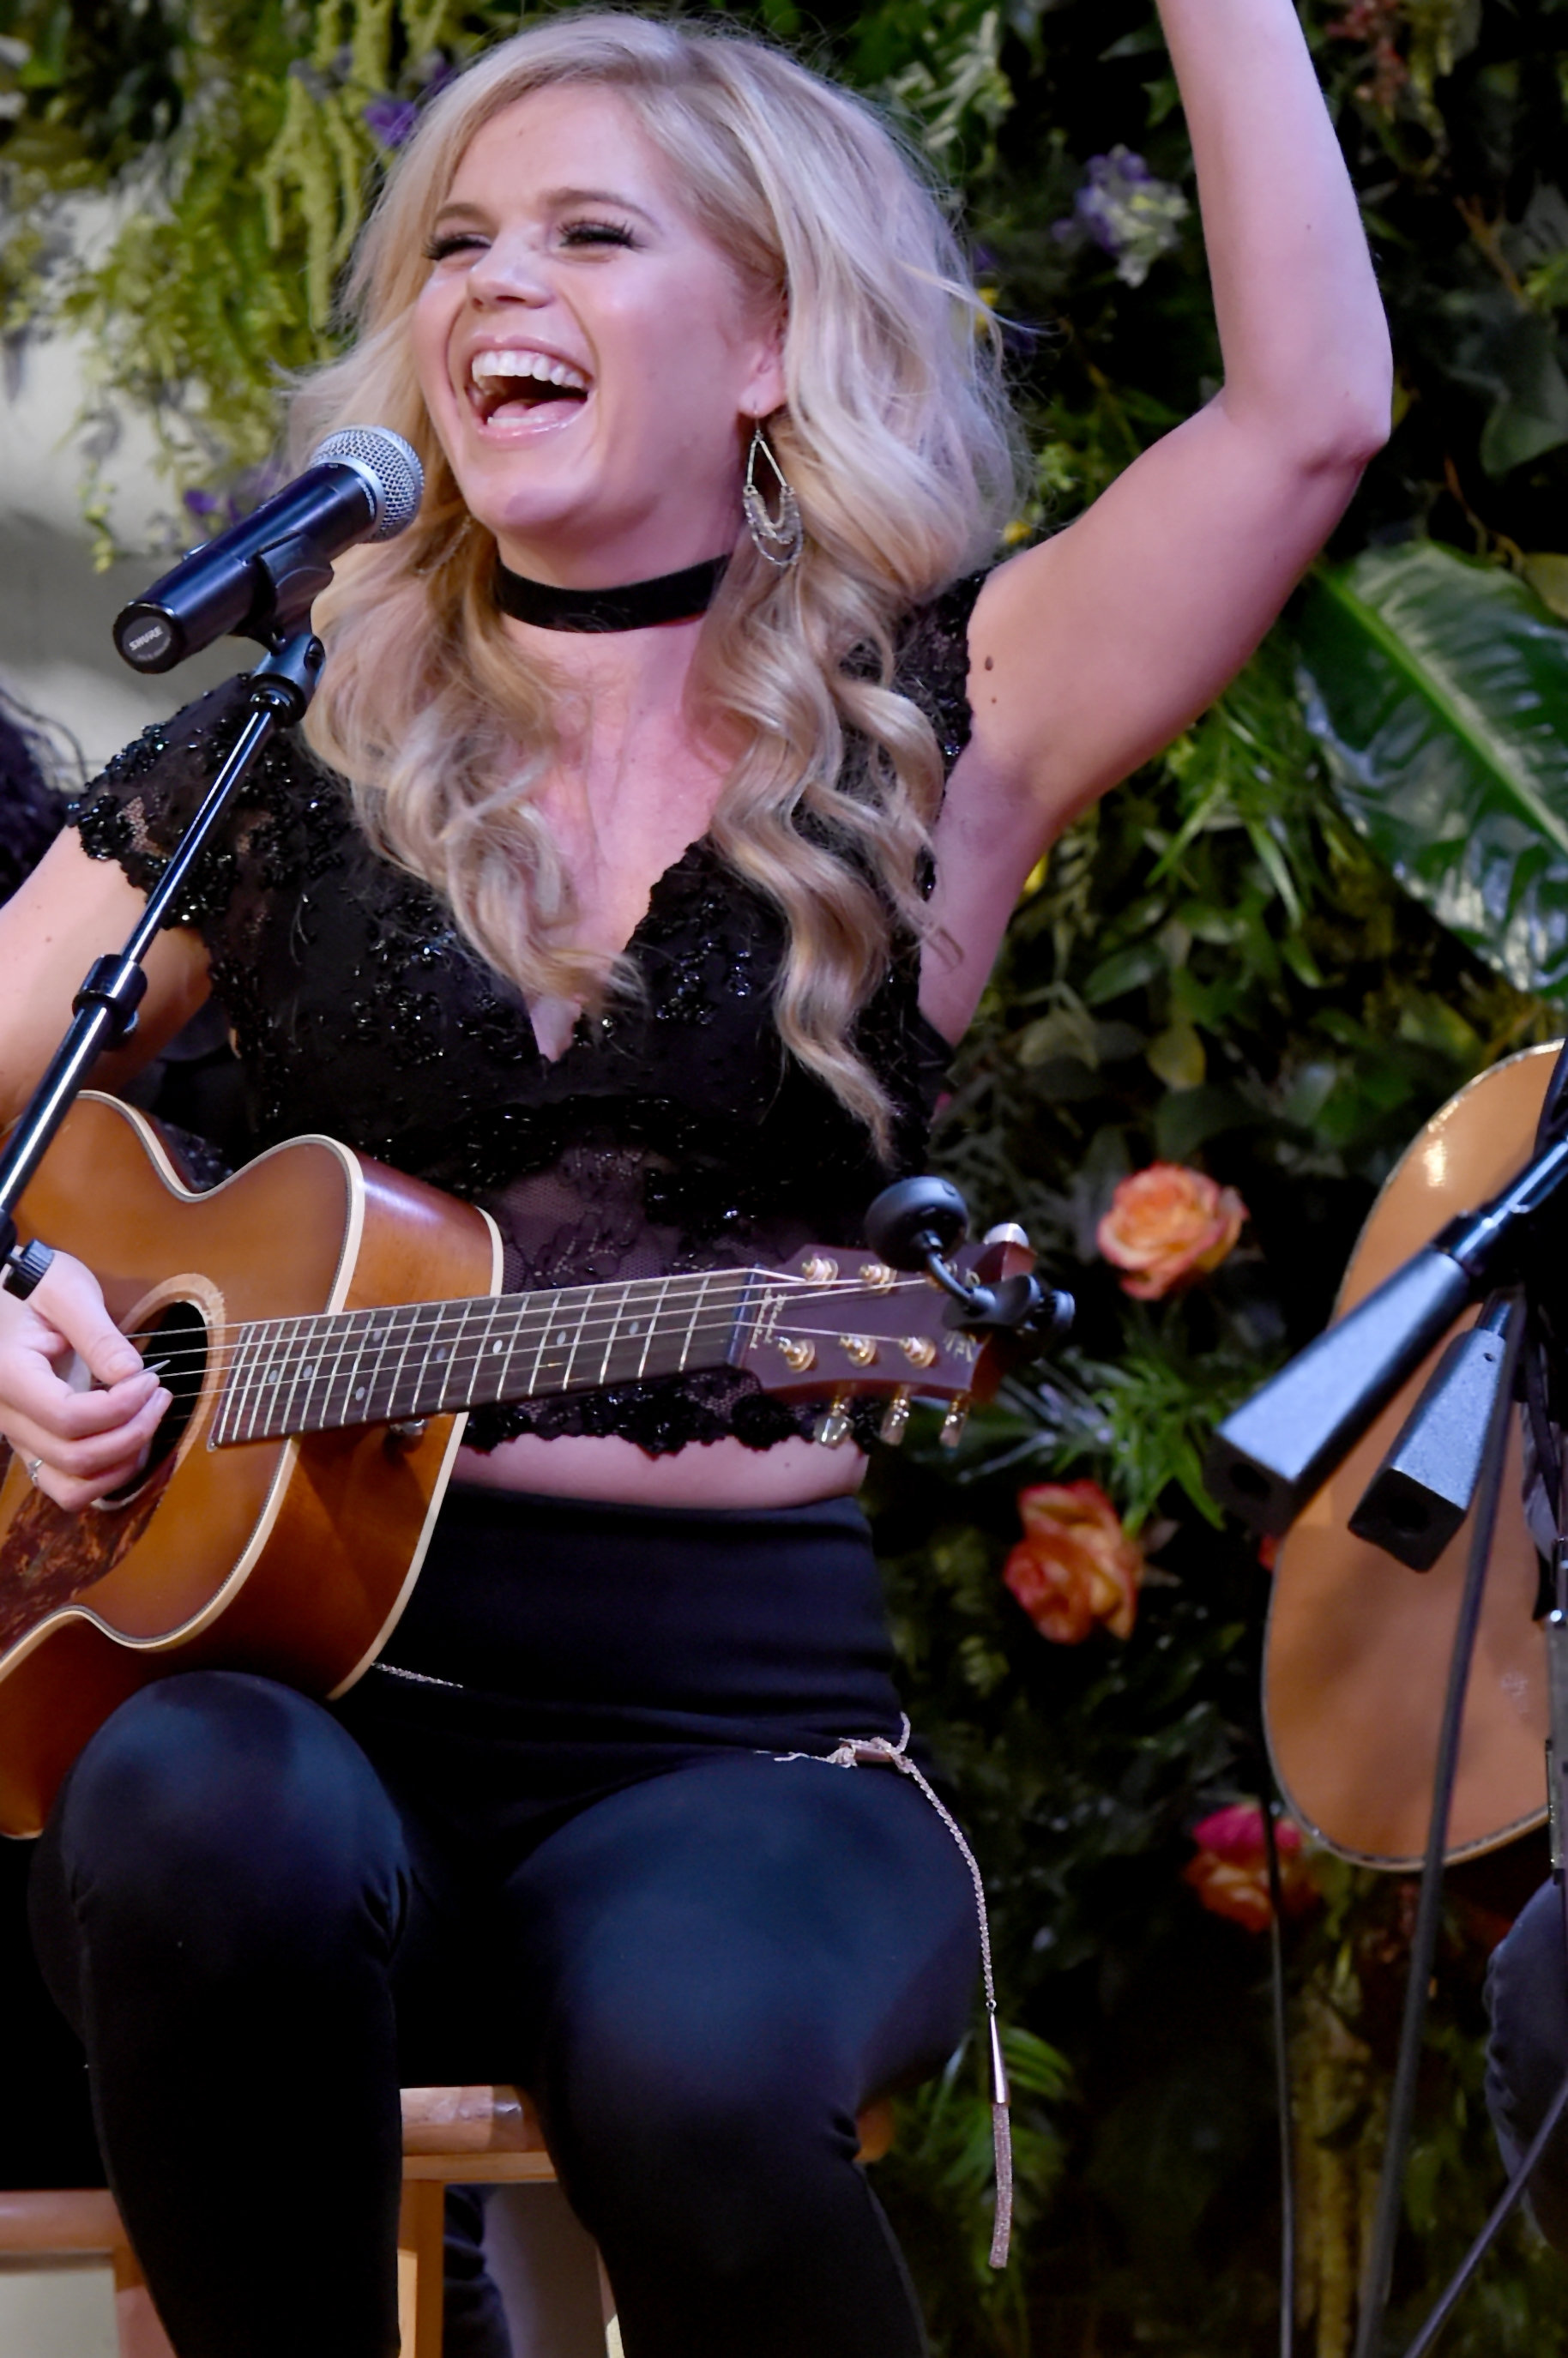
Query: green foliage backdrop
point(1222, 967)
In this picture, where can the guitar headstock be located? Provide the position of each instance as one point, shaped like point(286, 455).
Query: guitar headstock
point(838, 1323)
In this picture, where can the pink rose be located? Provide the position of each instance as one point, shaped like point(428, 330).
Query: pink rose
point(1075, 1565)
point(1168, 1226)
point(1230, 1873)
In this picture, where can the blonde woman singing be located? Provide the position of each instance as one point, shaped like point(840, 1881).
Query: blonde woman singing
point(654, 831)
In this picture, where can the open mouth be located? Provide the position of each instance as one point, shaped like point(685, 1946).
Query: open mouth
point(506, 387)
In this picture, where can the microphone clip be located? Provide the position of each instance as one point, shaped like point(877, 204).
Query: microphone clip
point(292, 574)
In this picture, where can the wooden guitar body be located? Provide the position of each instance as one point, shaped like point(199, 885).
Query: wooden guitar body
point(1358, 1646)
point(292, 1556)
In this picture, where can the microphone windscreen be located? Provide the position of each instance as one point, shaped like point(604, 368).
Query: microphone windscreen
point(392, 468)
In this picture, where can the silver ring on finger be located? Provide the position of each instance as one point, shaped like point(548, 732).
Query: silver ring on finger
point(33, 1466)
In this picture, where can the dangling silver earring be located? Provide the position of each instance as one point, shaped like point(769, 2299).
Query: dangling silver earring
point(779, 538)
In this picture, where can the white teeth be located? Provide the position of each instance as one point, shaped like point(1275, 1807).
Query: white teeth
point(485, 367)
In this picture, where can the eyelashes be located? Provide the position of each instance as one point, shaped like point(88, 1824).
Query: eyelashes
point(571, 233)
point(598, 232)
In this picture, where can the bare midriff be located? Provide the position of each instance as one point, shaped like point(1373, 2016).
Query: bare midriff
point(706, 1474)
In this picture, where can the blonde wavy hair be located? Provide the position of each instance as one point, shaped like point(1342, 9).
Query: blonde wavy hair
point(895, 436)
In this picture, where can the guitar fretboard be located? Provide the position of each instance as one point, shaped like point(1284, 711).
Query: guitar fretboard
point(315, 1374)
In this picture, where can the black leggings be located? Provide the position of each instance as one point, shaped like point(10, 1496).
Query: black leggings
point(1526, 2059)
point(703, 1970)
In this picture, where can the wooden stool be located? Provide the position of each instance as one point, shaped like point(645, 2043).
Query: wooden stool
point(456, 2136)
point(85, 2224)
point(452, 2137)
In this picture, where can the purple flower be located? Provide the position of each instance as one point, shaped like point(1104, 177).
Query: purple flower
point(390, 121)
point(200, 504)
point(1100, 206)
point(1127, 213)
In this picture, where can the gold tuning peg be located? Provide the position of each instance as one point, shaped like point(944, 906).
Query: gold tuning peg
point(832, 1428)
point(953, 1424)
point(895, 1418)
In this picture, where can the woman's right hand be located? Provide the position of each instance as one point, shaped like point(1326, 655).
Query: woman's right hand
point(86, 1433)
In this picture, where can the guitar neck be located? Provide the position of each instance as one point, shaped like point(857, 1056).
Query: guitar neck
point(318, 1374)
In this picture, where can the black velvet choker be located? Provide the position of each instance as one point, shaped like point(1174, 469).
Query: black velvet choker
point(673, 598)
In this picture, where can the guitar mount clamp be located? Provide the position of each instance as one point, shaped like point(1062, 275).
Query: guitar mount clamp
point(918, 1224)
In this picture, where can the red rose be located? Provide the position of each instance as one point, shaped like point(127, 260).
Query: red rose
point(1075, 1565)
point(1168, 1226)
point(1230, 1873)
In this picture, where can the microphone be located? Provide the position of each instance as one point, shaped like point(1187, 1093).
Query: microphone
point(257, 580)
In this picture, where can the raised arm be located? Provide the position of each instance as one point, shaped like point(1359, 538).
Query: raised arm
point(1092, 651)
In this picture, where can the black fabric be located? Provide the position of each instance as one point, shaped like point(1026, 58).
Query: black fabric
point(1527, 2058)
point(556, 1649)
point(634, 606)
point(473, 2322)
point(702, 1959)
point(46, 2117)
point(31, 813)
point(673, 1133)
point(48, 2138)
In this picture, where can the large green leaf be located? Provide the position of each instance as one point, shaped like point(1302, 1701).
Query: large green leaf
point(1438, 689)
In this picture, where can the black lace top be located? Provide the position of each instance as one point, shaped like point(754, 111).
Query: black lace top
point(672, 1135)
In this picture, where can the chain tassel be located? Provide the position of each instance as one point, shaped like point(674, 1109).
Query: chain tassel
point(880, 1751)
point(1001, 2136)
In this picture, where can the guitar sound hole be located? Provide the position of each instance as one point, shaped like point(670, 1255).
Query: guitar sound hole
point(176, 1349)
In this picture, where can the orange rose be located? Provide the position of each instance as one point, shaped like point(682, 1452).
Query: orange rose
point(1075, 1565)
point(1167, 1226)
point(1230, 1873)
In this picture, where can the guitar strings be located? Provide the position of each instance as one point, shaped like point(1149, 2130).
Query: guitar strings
point(574, 1345)
point(467, 1311)
point(417, 1345)
point(665, 1293)
point(467, 1356)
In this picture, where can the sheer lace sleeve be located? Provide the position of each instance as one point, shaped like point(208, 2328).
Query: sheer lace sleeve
point(137, 809)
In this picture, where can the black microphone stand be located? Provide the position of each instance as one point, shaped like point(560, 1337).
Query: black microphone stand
point(104, 1009)
point(1377, 2275)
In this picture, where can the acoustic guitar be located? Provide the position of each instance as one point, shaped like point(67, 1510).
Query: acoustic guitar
point(323, 1324)
point(1357, 1651)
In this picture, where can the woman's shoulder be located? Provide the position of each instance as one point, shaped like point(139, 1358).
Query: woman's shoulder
point(188, 742)
point(289, 815)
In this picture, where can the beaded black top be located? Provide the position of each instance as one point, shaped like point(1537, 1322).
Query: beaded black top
point(673, 1133)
